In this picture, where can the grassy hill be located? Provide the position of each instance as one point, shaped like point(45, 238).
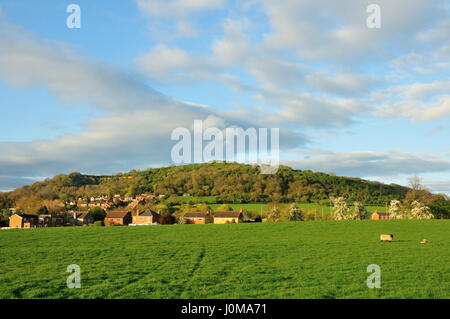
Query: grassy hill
point(260, 260)
point(225, 182)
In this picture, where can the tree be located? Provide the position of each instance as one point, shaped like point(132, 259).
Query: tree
point(359, 212)
point(396, 210)
point(420, 211)
point(162, 208)
point(440, 208)
point(340, 209)
point(97, 213)
point(274, 214)
point(167, 219)
point(43, 210)
point(4, 217)
point(295, 214)
point(415, 183)
point(224, 208)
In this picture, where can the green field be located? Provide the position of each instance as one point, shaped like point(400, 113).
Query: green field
point(306, 206)
point(254, 260)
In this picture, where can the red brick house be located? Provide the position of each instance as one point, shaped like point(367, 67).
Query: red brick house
point(24, 221)
point(380, 216)
point(118, 217)
point(195, 218)
point(146, 217)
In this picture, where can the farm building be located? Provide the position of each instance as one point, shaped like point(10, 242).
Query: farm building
point(24, 221)
point(147, 217)
point(380, 216)
point(228, 217)
point(195, 218)
point(118, 217)
point(81, 218)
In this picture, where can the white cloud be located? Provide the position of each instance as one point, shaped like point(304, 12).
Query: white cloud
point(172, 19)
point(336, 30)
point(343, 83)
point(372, 164)
point(234, 48)
point(177, 7)
point(134, 131)
point(416, 110)
point(441, 187)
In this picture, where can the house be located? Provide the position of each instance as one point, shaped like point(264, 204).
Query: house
point(23, 221)
point(228, 217)
point(147, 217)
point(118, 217)
point(380, 216)
point(81, 218)
point(195, 218)
point(106, 205)
point(51, 220)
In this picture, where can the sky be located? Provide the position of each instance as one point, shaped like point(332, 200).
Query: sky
point(104, 98)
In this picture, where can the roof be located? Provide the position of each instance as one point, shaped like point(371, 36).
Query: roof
point(381, 214)
point(149, 212)
point(26, 215)
point(227, 214)
point(195, 214)
point(82, 215)
point(117, 214)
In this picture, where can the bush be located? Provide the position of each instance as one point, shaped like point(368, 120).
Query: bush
point(97, 213)
point(98, 223)
point(209, 220)
point(167, 220)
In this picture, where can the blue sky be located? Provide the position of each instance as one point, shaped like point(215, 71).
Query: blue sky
point(373, 103)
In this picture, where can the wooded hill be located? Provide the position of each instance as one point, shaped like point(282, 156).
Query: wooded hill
point(229, 182)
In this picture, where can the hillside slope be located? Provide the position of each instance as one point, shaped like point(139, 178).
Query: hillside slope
point(229, 182)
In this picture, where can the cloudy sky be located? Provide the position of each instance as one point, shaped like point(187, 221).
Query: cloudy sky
point(372, 103)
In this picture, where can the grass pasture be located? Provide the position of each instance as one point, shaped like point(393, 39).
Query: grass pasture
point(256, 208)
point(259, 260)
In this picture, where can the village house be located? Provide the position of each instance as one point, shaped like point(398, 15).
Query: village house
point(195, 218)
point(80, 218)
point(51, 220)
point(380, 216)
point(23, 221)
point(128, 199)
point(228, 217)
point(106, 205)
point(118, 218)
point(147, 217)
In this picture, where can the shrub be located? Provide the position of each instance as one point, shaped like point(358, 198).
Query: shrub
point(97, 213)
point(167, 219)
point(98, 223)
